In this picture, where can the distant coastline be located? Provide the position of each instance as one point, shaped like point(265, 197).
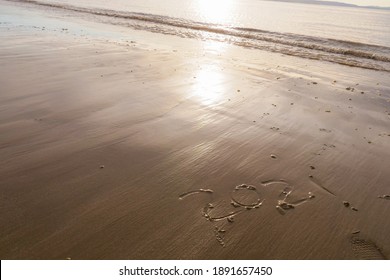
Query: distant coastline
point(330, 3)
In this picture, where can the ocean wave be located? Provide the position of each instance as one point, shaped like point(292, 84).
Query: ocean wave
point(338, 51)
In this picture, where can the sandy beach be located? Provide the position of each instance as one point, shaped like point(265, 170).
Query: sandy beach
point(125, 144)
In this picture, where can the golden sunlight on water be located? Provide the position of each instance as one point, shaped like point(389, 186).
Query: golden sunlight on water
point(216, 11)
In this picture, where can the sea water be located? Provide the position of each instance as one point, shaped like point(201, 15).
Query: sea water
point(353, 36)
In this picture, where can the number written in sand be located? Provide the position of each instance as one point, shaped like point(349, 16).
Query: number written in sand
point(242, 199)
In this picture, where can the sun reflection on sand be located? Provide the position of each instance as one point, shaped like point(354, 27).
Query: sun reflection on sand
point(209, 85)
point(214, 47)
point(210, 81)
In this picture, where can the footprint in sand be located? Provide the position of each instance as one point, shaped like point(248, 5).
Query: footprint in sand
point(365, 249)
point(242, 199)
point(385, 196)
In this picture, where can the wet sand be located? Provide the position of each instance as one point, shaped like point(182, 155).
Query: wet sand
point(129, 145)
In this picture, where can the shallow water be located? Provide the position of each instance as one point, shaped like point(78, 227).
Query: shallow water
point(344, 23)
point(357, 37)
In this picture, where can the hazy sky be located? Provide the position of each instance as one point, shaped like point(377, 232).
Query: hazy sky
point(383, 3)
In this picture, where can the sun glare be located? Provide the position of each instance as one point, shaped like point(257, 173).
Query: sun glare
point(209, 84)
point(216, 11)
